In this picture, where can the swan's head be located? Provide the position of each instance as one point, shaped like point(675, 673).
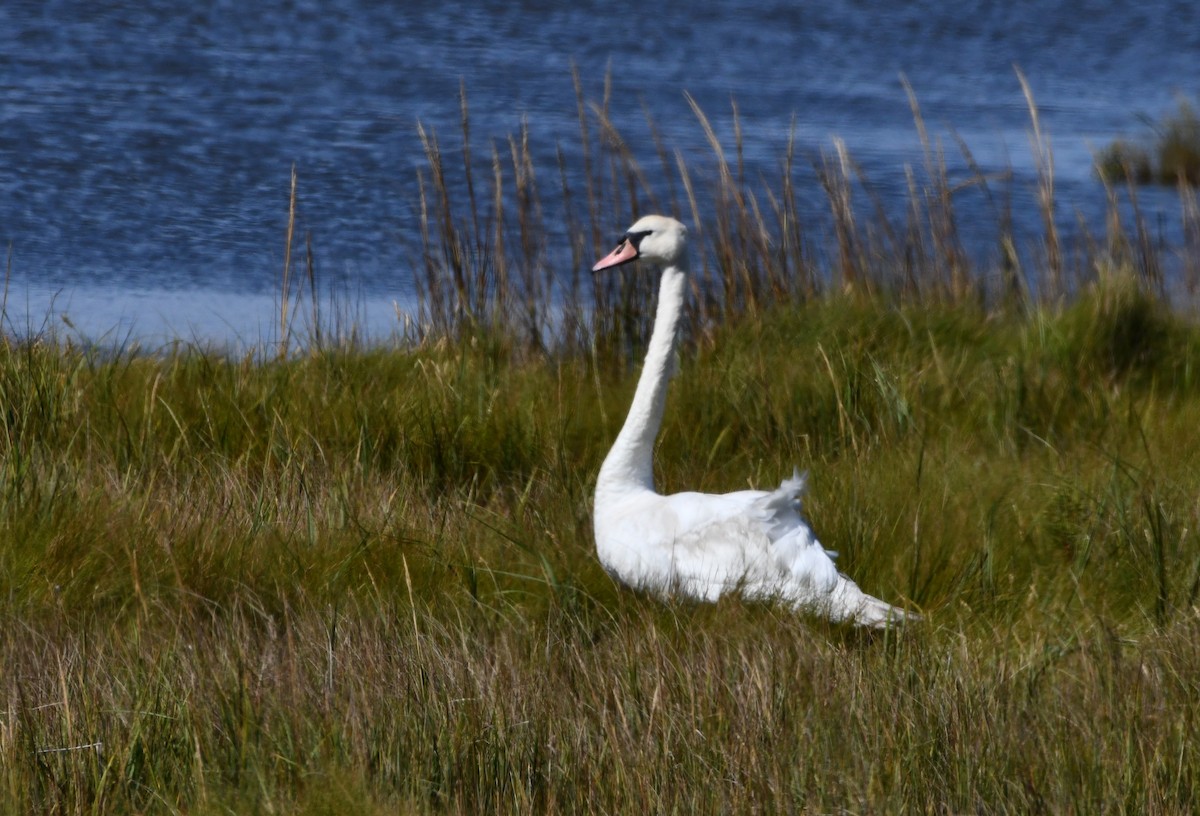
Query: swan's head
point(656, 238)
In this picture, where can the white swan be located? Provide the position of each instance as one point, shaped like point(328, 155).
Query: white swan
point(701, 545)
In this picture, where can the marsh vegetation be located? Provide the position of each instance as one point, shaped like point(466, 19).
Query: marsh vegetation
point(1169, 154)
point(360, 579)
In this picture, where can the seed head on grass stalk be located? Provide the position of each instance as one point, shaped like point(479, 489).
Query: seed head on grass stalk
point(285, 287)
point(1044, 159)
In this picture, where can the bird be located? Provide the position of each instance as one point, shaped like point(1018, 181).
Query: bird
point(702, 546)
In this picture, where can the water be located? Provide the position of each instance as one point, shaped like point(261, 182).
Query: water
point(146, 148)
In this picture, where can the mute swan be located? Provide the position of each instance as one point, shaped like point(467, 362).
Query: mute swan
point(700, 545)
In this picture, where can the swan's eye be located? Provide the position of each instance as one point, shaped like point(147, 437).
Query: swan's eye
point(635, 238)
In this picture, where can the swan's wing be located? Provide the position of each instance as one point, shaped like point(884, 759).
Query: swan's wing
point(693, 544)
point(814, 581)
point(753, 541)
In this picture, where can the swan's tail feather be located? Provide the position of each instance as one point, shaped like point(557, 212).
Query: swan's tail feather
point(878, 614)
point(849, 603)
point(779, 510)
point(789, 493)
point(816, 583)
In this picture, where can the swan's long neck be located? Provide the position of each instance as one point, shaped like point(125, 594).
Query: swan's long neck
point(629, 466)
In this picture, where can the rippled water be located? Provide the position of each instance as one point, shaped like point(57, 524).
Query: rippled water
point(145, 148)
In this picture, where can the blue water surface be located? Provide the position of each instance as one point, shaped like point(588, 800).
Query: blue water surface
point(146, 148)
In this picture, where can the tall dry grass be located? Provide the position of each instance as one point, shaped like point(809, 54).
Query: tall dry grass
point(494, 260)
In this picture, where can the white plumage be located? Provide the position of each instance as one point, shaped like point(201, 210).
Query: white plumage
point(701, 545)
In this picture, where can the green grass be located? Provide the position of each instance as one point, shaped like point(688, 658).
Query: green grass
point(363, 581)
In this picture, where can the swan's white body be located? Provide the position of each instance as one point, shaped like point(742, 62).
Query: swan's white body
point(701, 545)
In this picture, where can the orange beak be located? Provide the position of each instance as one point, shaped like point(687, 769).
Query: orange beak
point(623, 254)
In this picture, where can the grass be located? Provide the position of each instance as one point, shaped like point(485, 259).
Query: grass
point(365, 582)
point(350, 579)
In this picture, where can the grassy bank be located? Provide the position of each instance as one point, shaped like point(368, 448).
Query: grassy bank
point(364, 581)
